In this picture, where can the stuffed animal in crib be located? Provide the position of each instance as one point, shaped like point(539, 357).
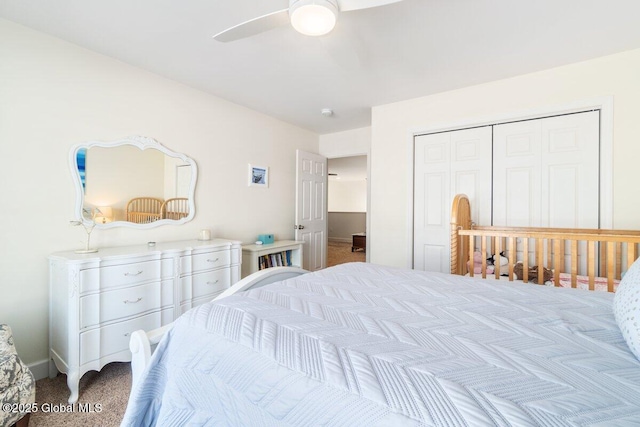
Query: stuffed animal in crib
point(501, 258)
point(518, 271)
point(477, 264)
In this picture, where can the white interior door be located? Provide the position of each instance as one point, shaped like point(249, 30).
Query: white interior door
point(447, 164)
point(311, 208)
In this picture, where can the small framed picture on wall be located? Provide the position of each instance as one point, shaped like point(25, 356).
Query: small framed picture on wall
point(258, 176)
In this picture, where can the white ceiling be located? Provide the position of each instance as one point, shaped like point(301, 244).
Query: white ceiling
point(373, 57)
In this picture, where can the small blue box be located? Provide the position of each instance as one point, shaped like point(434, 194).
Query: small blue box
point(266, 238)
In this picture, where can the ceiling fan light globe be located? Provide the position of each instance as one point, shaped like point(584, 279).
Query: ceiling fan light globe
point(313, 17)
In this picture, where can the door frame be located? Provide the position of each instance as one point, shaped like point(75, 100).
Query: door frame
point(604, 104)
point(368, 217)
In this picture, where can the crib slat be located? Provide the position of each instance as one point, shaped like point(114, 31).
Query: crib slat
point(512, 256)
point(618, 260)
point(591, 264)
point(496, 251)
point(483, 252)
point(557, 248)
point(472, 249)
point(574, 263)
point(525, 260)
point(631, 254)
point(540, 256)
point(610, 265)
point(603, 259)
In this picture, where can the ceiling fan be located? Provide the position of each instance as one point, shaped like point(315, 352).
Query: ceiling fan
point(309, 17)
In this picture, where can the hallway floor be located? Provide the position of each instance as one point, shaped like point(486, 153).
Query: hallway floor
point(340, 253)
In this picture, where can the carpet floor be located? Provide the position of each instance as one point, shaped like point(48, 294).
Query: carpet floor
point(340, 253)
point(103, 395)
point(102, 402)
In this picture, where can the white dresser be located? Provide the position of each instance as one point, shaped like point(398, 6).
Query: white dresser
point(97, 300)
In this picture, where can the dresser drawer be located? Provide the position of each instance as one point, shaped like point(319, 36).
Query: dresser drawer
point(204, 284)
point(121, 303)
point(205, 261)
point(102, 342)
point(94, 279)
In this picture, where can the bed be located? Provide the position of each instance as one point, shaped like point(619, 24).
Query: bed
point(360, 344)
point(582, 258)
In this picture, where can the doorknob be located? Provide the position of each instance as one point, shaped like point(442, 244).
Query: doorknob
point(298, 227)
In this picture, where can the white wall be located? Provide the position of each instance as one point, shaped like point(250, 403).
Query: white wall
point(394, 124)
point(347, 196)
point(53, 95)
point(353, 142)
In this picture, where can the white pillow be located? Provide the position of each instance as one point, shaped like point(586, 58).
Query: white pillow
point(626, 307)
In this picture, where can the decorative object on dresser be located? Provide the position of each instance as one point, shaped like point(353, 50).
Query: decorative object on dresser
point(266, 239)
point(152, 186)
point(205, 234)
point(17, 384)
point(281, 253)
point(89, 216)
point(97, 300)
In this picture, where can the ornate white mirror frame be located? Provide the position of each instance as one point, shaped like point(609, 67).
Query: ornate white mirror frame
point(87, 214)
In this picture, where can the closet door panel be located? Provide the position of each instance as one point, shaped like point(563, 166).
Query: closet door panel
point(471, 170)
point(570, 170)
point(516, 174)
point(519, 204)
point(447, 164)
point(431, 190)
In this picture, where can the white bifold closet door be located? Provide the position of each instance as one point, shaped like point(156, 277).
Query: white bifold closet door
point(546, 172)
point(534, 173)
point(446, 164)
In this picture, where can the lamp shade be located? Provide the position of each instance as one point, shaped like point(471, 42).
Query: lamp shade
point(104, 214)
point(313, 17)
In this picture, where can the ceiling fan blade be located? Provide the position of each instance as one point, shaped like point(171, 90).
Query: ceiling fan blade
point(346, 48)
point(347, 5)
point(254, 26)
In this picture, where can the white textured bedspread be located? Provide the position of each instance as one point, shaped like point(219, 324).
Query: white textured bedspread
point(365, 345)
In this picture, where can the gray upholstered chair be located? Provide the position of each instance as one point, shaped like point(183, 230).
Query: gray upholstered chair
point(17, 384)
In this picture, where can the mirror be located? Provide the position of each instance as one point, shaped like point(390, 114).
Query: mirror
point(134, 182)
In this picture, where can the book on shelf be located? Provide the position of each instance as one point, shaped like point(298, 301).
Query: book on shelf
point(277, 259)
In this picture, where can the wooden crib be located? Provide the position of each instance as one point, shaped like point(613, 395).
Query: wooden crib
point(176, 208)
point(143, 210)
point(575, 256)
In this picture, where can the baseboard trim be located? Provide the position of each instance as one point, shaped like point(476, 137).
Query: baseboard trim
point(340, 239)
point(39, 369)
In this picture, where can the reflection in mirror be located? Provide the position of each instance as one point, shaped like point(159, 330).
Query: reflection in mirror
point(133, 182)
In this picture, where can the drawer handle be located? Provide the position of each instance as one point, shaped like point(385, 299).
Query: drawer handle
point(213, 283)
point(213, 260)
point(132, 302)
point(133, 274)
